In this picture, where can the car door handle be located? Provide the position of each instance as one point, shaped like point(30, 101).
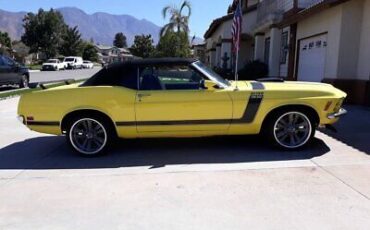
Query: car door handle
point(141, 95)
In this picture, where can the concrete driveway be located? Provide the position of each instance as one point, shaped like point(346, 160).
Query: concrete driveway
point(207, 183)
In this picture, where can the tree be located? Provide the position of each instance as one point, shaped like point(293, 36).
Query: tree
point(143, 46)
point(166, 47)
point(178, 21)
point(5, 40)
point(43, 31)
point(174, 41)
point(20, 51)
point(89, 52)
point(72, 44)
point(120, 40)
point(5, 43)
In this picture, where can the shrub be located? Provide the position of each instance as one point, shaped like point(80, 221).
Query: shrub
point(253, 70)
point(225, 73)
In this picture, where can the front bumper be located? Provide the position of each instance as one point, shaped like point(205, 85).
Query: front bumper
point(340, 113)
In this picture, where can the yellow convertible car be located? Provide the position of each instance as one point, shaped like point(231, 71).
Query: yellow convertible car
point(178, 98)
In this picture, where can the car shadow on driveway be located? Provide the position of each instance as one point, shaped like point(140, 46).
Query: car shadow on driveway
point(354, 128)
point(54, 153)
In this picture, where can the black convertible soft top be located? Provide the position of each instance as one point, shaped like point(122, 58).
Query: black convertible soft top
point(156, 61)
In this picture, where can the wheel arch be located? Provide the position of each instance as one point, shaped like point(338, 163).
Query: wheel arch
point(88, 113)
point(311, 112)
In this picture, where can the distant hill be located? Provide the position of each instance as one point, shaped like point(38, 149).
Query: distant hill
point(101, 27)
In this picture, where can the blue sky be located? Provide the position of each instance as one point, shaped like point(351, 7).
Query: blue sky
point(204, 11)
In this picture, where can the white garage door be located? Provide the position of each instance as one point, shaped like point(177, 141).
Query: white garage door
point(312, 55)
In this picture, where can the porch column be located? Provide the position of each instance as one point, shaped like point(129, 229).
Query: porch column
point(218, 55)
point(212, 54)
point(259, 47)
point(275, 48)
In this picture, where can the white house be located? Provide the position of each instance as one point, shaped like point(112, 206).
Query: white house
point(111, 54)
point(332, 45)
point(307, 40)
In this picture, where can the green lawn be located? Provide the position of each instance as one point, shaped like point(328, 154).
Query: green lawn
point(34, 67)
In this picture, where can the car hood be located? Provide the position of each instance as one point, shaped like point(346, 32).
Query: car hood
point(287, 87)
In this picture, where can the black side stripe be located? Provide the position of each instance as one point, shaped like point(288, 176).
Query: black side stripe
point(248, 117)
point(257, 85)
point(252, 108)
point(43, 123)
point(189, 122)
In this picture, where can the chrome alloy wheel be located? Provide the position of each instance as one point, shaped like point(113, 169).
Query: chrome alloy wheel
point(292, 130)
point(88, 136)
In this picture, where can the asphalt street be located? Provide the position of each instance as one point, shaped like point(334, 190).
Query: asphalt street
point(62, 75)
point(205, 183)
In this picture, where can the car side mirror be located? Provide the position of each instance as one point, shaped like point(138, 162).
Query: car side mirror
point(202, 84)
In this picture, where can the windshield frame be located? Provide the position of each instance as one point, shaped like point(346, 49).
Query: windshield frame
point(211, 75)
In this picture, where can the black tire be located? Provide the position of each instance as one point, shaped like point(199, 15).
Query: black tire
point(24, 82)
point(290, 135)
point(93, 141)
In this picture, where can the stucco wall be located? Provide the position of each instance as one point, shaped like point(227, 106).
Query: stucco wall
point(328, 21)
point(249, 20)
point(350, 39)
point(363, 69)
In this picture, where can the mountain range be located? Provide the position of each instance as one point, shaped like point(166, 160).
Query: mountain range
point(101, 27)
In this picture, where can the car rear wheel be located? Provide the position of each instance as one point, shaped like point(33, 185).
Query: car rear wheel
point(89, 136)
point(24, 82)
point(290, 129)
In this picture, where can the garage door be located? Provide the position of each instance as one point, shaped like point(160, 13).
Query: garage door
point(312, 56)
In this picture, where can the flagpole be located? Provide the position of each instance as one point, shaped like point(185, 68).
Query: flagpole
point(237, 52)
point(236, 70)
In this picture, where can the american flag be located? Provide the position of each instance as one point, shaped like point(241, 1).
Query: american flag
point(237, 27)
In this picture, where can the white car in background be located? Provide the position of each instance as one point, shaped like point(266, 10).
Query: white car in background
point(53, 64)
point(73, 62)
point(87, 65)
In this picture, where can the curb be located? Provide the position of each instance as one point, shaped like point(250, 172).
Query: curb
point(34, 71)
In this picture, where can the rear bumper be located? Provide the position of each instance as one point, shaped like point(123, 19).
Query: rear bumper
point(340, 113)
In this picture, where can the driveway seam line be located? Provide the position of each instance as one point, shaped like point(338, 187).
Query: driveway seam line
point(342, 181)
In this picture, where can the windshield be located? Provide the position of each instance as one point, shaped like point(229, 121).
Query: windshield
point(86, 62)
point(211, 74)
point(69, 60)
point(52, 61)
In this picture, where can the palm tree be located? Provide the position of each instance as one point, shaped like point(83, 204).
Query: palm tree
point(178, 21)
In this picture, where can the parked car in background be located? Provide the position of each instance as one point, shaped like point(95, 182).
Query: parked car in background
point(87, 65)
point(53, 64)
point(13, 73)
point(73, 62)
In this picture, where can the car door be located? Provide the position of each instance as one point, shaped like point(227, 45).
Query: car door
point(170, 99)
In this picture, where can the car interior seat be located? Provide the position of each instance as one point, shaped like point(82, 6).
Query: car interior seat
point(150, 82)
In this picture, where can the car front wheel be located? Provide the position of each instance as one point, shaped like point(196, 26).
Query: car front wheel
point(290, 129)
point(24, 82)
point(89, 136)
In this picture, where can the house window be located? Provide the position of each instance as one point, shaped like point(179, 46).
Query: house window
point(284, 48)
point(267, 50)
